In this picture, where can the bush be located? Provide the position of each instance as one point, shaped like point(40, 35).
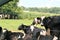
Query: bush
point(32, 15)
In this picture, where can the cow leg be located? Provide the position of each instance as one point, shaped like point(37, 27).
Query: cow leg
point(48, 32)
point(43, 33)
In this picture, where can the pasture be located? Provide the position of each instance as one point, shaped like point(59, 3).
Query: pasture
point(12, 24)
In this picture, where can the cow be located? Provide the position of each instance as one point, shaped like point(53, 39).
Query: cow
point(1, 34)
point(9, 35)
point(36, 21)
point(27, 31)
point(52, 23)
point(34, 31)
point(16, 36)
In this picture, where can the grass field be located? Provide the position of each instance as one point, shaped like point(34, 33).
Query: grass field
point(13, 24)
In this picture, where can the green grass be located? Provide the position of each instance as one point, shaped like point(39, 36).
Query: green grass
point(14, 24)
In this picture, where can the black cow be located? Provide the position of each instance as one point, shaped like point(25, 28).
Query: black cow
point(52, 23)
point(31, 30)
point(1, 34)
point(8, 35)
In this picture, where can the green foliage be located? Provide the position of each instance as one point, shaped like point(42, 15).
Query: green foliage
point(10, 8)
point(32, 15)
point(45, 9)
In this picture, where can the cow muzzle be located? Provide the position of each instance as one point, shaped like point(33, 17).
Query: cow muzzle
point(42, 24)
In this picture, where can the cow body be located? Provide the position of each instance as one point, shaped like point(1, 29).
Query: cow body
point(12, 35)
point(52, 23)
point(46, 37)
point(32, 30)
point(28, 37)
point(27, 32)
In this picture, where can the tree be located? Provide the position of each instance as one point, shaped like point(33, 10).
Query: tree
point(11, 6)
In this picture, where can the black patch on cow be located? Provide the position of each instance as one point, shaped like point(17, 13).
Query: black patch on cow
point(52, 22)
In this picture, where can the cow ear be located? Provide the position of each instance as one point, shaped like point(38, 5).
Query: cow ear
point(49, 19)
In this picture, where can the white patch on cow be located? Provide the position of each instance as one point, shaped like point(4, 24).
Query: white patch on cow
point(23, 36)
point(43, 32)
point(35, 20)
point(4, 31)
point(42, 19)
point(32, 28)
point(19, 36)
point(55, 38)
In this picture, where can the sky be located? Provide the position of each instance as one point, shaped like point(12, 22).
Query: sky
point(39, 3)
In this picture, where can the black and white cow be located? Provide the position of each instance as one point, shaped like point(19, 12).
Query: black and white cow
point(52, 23)
point(27, 31)
point(31, 30)
point(8, 35)
point(25, 28)
point(36, 21)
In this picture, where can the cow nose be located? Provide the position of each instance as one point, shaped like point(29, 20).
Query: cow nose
point(42, 24)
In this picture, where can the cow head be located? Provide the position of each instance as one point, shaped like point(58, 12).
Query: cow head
point(25, 28)
point(22, 27)
point(45, 21)
point(6, 33)
point(41, 21)
point(36, 21)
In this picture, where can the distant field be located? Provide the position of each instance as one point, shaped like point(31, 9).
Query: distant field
point(31, 15)
point(13, 24)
